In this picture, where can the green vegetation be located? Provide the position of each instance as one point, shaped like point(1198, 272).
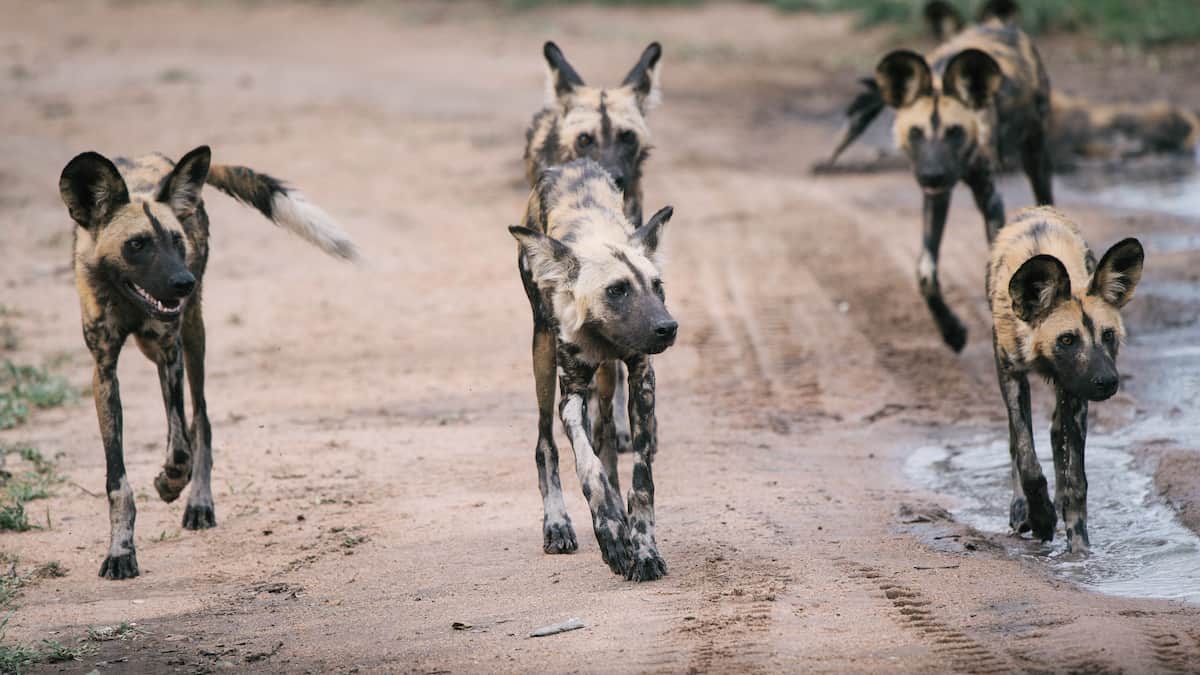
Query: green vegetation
point(1132, 22)
point(25, 386)
point(20, 488)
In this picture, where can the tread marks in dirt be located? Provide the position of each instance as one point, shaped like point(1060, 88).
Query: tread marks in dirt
point(913, 612)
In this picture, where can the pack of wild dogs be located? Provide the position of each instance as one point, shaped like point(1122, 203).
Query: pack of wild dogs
point(589, 264)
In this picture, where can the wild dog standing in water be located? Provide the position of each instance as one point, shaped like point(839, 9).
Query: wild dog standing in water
point(977, 98)
point(1056, 313)
point(594, 286)
point(141, 245)
point(607, 125)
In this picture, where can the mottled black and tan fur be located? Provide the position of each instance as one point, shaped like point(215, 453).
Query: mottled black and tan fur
point(1056, 313)
point(605, 124)
point(141, 247)
point(976, 99)
point(593, 283)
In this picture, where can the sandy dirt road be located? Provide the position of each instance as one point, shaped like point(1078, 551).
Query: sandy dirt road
point(374, 425)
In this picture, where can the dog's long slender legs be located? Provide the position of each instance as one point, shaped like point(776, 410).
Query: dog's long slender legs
point(1031, 507)
point(1039, 168)
point(988, 201)
point(604, 432)
point(200, 512)
point(121, 562)
point(558, 536)
point(1068, 434)
point(647, 563)
point(177, 470)
point(953, 331)
point(608, 513)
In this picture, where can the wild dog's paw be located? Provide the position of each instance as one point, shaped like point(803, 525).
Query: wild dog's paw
point(1041, 519)
point(120, 566)
point(647, 568)
point(199, 517)
point(558, 537)
point(613, 537)
point(170, 483)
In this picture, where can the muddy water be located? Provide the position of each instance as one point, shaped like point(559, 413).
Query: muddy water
point(1139, 547)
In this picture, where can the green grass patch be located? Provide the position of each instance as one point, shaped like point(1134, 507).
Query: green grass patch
point(26, 387)
point(30, 481)
point(1131, 22)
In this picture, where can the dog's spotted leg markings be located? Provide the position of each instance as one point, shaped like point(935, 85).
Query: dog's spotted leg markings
point(1031, 508)
point(177, 470)
point(1068, 433)
point(1056, 312)
point(200, 512)
point(647, 563)
point(952, 329)
point(604, 428)
point(141, 248)
point(608, 514)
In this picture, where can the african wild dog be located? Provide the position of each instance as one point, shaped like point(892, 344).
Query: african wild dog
point(141, 245)
point(593, 284)
point(1056, 313)
point(607, 125)
point(979, 97)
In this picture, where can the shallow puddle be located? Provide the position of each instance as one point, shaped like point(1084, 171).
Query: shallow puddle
point(1139, 547)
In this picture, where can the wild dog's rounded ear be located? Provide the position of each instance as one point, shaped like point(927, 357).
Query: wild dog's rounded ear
point(972, 77)
point(943, 19)
point(1037, 286)
point(903, 77)
point(1118, 273)
point(649, 235)
point(643, 77)
point(1004, 10)
point(561, 78)
point(181, 188)
point(550, 261)
point(92, 188)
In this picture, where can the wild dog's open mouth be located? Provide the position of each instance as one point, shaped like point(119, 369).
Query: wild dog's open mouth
point(164, 308)
point(934, 189)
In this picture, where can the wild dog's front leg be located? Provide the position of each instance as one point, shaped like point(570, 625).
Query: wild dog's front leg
point(987, 200)
point(121, 562)
point(604, 428)
point(1031, 508)
point(1068, 434)
point(200, 512)
point(647, 564)
point(608, 514)
point(953, 331)
point(177, 470)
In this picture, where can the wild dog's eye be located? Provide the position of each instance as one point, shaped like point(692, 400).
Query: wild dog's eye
point(136, 244)
point(627, 137)
point(1066, 339)
point(657, 285)
point(1109, 336)
point(916, 135)
point(584, 141)
point(955, 134)
point(618, 290)
point(177, 240)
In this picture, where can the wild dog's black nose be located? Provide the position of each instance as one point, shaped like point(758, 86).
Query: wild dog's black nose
point(932, 178)
point(667, 329)
point(1106, 384)
point(183, 283)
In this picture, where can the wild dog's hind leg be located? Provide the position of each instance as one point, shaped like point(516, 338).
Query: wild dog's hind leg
point(558, 536)
point(647, 564)
point(1035, 159)
point(1031, 508)
point(608, 513)
point(105, 345)
point(1068, 434)
point(604, 433)
point(953, 331)
point(167, 353)
point(200, 512)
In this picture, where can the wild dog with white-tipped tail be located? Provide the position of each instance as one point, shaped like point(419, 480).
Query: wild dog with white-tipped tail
point(141, 246)
point(597, 296)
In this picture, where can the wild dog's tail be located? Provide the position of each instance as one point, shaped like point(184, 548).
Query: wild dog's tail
point(283, 206)
point(859, 114)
